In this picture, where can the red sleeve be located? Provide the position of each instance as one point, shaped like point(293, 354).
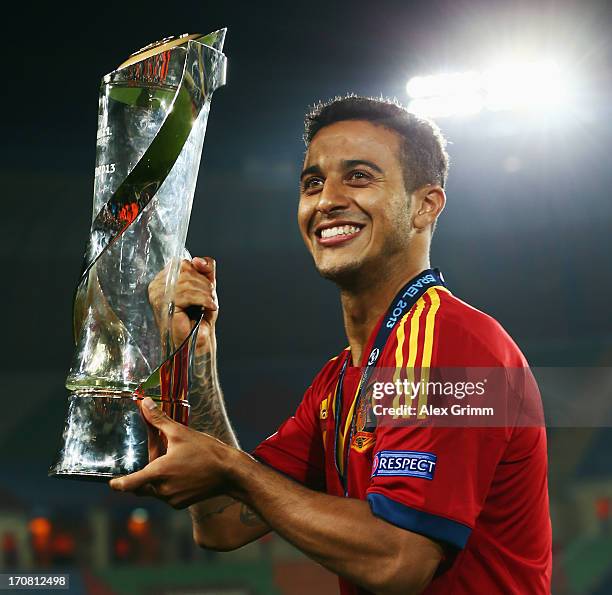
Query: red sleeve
point(434, 480)
point(296, 449)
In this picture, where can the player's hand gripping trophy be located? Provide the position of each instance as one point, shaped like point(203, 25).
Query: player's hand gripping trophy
point(132, 338)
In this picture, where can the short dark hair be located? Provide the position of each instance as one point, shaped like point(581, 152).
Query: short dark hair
point(423, 157)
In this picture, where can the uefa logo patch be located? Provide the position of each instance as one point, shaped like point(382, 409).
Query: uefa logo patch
point(373, 356)
point(407, 463)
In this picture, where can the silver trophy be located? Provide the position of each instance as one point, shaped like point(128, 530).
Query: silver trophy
point(152, 119)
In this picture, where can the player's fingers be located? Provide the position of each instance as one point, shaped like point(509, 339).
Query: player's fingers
point(186, 265)
point(194, 283)
point(135, 481)
point(156, 417)
point(155, 443)
point(185, 300)
point(206, 265)
point(158, 284)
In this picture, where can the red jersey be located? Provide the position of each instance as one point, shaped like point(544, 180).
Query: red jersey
point(482, 492)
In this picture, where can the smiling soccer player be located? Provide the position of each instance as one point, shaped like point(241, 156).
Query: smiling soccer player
point(389, 508)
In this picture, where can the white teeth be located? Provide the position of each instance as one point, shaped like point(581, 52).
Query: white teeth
point(332, 232)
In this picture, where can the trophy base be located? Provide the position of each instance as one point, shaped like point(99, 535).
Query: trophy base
point(94, 478)
point(105, 436)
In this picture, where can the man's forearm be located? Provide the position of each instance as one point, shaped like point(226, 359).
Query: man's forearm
point(342, 534)
point(207, 413)
point(221, 522)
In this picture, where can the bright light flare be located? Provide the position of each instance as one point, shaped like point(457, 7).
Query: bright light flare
point(460, 83)
point(444, 106)
point(506, 86)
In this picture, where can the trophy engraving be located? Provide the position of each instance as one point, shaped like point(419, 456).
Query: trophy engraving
point(152, 120)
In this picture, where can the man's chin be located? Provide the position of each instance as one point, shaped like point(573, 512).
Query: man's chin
point(344, 275)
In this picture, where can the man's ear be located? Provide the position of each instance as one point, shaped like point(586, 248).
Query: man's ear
point(428, 202)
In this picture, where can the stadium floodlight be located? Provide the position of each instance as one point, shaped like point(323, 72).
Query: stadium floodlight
point(535, 84)
point(460, 83)
point(442, 106)
point(506, 86)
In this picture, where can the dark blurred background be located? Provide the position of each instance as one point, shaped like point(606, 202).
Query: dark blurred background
point(525, 237)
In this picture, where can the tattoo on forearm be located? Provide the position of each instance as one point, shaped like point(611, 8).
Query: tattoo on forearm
point(219, 510)
point(207, 413)
point(249, 517)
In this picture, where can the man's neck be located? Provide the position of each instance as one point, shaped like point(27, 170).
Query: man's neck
point(363, 306)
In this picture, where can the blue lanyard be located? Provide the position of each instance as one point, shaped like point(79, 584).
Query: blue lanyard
point(407, 296)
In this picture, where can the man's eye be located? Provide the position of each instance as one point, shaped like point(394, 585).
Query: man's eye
point(359, 175)
point(312, 183)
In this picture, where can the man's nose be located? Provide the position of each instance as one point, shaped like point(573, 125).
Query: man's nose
point(332, 196)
